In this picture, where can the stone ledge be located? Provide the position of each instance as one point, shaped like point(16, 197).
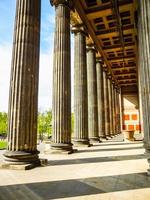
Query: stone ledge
point(42, 162)
point(18, 167)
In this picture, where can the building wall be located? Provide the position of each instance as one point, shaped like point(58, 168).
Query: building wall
point(130, 112)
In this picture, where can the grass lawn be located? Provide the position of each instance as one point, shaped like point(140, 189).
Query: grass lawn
point(3, 144)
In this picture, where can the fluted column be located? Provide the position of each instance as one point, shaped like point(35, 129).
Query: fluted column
point(113, 109)
point(61, 104)
point(23, 96)
point(110, 105)
point(100, 99)
point(116, 106)
point(80, 136)
point(140, 105)
point(106, 105)
point(92, 95)
point(119, 111)
point(144, 69)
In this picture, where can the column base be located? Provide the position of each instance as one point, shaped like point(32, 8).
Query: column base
point(115, 134)
point(81, 142)
point(108, 137)
point(19, 167)
point(112, 135)
point(147, 154)
point(103, 138)
point(60, 149)
point(94, 140)
point(148, 172)
point(20, 160)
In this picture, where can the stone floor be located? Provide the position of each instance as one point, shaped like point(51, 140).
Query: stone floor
point(112, 170)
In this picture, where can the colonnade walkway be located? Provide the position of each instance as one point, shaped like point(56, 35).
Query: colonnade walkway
point(112, 170)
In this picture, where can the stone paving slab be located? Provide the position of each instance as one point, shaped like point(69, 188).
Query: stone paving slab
point(112, 170)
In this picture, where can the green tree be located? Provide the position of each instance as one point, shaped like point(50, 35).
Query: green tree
point(3, 123)
point(44, 124)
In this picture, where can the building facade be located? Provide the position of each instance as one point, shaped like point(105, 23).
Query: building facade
point(111, 66)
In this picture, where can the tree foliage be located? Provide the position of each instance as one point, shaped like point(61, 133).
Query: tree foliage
point(44, 124)
point(3, 123)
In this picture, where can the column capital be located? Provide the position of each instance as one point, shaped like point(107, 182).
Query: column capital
point(113, 81)
point(109, 75)
point(99, 60)
point(105, 68)
point(118, 89)
point(114, 84)
point(90, 47)
point(79, 28)
point(60, 2)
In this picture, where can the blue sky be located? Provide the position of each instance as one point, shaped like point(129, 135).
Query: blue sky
point(7, 15)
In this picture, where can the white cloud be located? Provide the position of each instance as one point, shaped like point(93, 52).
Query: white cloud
point(47, 31)
point(72, 72)
point(45, 80)
point(45, 77)
point(5, 66)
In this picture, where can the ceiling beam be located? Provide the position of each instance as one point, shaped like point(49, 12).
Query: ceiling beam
point(118, 46)
point(78, 6)
point(107, 31)
point(123, 68)
point(122, 58)
point(113, 34)
point(126, 79)
point(127, 84)
point(106, 7)
point(125, 74)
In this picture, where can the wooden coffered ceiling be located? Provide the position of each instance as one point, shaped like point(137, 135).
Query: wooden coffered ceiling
point(111, 25)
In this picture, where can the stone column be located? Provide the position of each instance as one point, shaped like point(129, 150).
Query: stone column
point(113, 108)
point(116, 110)
point(140, 105)
point(116, 106)
point(80, 88)
point(100, 99)
point(106, 106)
point(110, 105)
point(92, 95)
point(22, 151)
point(61, 104)
point(120, 110)
point(144, 69)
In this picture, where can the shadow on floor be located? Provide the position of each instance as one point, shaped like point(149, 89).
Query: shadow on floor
point(96, 159)
point(106, 143)
point(109, 149)
point(75, 187)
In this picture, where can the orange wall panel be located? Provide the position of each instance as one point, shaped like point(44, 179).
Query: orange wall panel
point(138, 127)
point(134, 117)
point(130, 127)
point(124, 127)
point(126, 117)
